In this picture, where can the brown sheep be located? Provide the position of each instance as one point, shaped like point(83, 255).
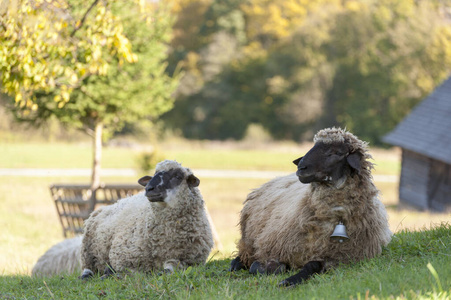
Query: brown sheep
point(287, 223)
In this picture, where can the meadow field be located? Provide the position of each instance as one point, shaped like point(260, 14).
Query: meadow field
point(30, 223)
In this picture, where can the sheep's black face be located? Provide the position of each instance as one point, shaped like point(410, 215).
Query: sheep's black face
point(158, 186)
point(326, 163)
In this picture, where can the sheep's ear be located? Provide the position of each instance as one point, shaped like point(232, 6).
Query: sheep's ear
point(193, 181)
point(354, 161)
point(296, 161)
point(144, 180)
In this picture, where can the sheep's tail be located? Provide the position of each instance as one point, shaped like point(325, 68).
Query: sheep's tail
point(62, 258)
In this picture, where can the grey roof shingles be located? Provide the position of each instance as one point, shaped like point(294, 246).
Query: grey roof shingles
point(427, 129)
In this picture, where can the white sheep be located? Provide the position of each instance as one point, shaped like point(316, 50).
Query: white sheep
point(287, 223)
point(163, 228)
point(62, 258)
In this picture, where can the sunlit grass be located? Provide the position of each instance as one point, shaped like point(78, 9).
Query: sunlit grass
point(206, 156)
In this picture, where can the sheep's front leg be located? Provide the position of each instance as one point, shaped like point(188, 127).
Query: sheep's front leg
point(307, 271)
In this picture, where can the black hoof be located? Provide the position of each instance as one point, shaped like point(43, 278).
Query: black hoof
point(165, 272)
point(236, 265)
point(87, 274)
point(257, 268)
point(285, 283)
point(108, 272)
point(275, 267)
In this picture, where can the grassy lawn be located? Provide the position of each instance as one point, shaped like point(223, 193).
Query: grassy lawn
point(30, 226)
point(414, 266)
point(204, 156)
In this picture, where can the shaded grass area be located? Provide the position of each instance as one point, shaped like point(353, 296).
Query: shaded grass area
point(401, 272)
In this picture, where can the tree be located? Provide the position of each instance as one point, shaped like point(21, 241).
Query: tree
point(306, 65)
point(362, 66)
point(93, 65)
point(388, 55)
point(269, 21)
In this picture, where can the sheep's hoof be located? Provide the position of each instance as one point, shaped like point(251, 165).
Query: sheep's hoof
point(108, 272)
point(271, 267)
point(275, 267)
point(86, 274)
point(165, 272)
point(236, 265)
point(257, 268)
point(286, 283)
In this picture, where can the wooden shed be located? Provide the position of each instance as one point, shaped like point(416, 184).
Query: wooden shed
point(425, 139)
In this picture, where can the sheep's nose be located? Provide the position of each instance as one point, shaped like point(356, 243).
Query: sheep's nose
point(302, 166)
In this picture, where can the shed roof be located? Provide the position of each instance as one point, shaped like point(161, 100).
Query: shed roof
point(427, 129)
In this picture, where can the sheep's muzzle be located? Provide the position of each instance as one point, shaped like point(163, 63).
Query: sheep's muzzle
point(155, 197)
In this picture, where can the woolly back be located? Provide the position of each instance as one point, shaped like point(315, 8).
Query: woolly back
point(338, 135)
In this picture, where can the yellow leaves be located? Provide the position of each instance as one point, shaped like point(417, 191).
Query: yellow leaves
point(62, 24)
point(134, 58)
point(23, 101)
point(254, 50)
point(178, 5)
point(425, 83)
point(37, 78)
point(440, 48)
point(354, 6)
point(73, 79)
point(37, 55)
point(277, 18)
point(26, 69)
point(385, 14)
point(65, 95)
point(96, 53)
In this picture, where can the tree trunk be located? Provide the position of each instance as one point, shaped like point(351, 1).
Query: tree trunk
point(96, 162)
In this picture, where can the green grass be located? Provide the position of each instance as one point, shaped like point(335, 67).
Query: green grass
point(401, 272)
point(79, 156)
point(72, 155)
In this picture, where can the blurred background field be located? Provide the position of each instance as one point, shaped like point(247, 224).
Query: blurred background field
point(29, 219)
